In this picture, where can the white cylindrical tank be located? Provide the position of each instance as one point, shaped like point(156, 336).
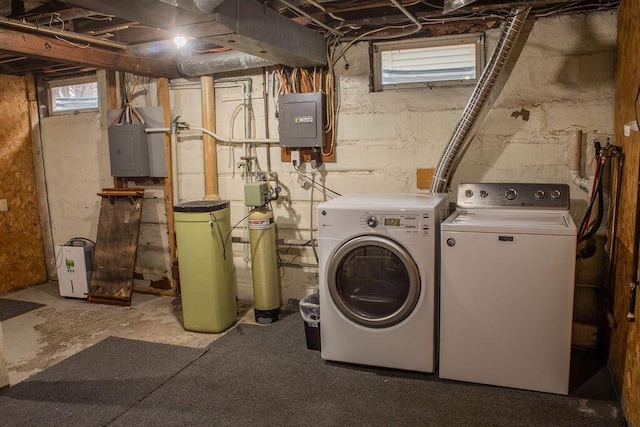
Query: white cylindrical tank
point(264, 266)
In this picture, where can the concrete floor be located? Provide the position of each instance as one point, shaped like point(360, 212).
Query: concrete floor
point(64, 326)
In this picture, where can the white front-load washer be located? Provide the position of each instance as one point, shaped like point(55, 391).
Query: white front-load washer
point(379, 279)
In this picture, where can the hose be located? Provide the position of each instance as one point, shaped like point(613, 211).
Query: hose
point(585, 230)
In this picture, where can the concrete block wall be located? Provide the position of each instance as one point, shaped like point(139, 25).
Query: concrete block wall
point(563, 81)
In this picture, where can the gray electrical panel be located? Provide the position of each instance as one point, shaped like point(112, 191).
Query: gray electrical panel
point(129, 150)
point(153, 118)
point(302, 121)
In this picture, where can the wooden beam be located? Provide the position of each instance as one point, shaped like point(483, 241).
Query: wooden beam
point(209, 144)
point(111, 83)
point(112, 90)
point(164, 101)
point(57, 50)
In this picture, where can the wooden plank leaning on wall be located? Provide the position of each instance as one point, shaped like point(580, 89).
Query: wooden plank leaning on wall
point(38, 165)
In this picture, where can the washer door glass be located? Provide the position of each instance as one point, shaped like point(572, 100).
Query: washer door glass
point(373, 281)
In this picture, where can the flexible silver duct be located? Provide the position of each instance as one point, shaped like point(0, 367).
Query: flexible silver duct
point(221, 62)
point(463, 131)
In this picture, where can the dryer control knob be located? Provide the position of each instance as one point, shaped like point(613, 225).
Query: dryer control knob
point(372, 222)
point(539, 194)
point(555, 194)
point(511, 194)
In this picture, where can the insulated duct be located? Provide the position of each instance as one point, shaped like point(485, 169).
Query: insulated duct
point(221, 62)
point(468, 122)
point(242, 25)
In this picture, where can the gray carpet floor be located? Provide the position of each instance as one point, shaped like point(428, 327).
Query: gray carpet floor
point(264, 375)
point(11, 308)
point(94, 386)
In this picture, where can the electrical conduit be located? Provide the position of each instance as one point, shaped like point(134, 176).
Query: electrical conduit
point(219, 137)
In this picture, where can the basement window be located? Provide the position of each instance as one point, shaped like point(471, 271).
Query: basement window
point(73, 95)
point(428, 62)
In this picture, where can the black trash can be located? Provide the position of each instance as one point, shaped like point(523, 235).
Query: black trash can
point(310, 311)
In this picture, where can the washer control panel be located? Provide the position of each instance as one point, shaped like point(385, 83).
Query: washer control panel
point(516, 195)
point(409, 223)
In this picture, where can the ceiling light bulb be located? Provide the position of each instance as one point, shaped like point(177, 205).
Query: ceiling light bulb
point(180, 41)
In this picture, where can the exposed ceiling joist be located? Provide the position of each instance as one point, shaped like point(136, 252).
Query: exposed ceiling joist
point(52, 49)
point(283, 32)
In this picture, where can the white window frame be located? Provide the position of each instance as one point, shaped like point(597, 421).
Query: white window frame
point(53, 84)
point(476, 38)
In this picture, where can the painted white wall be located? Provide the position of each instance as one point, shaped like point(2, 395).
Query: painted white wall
point(564, 78)
point(77, 168)
point(76, 163)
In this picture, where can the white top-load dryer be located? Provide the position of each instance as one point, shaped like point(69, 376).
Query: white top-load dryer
point(378, 279)
point(508, 265)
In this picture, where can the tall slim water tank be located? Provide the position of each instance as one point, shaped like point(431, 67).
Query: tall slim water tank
point(206, 265)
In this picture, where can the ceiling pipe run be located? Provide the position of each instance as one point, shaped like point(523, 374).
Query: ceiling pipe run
point(469, 123)
point(221, 62)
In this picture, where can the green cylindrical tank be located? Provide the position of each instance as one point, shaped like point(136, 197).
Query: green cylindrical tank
point(205, 260)
point(264, 266)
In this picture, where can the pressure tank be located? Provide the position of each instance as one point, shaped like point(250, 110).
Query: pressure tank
point(264, 266)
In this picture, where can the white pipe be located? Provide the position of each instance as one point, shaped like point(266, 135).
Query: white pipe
point(281, 242)
point(220, 138)
point(408, 14)
point(575, 157)
point(174, 164)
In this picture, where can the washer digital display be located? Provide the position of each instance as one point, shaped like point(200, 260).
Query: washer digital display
point(392, 222)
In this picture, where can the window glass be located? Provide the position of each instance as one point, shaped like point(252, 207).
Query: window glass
point(73, 95)
point(438, 61)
